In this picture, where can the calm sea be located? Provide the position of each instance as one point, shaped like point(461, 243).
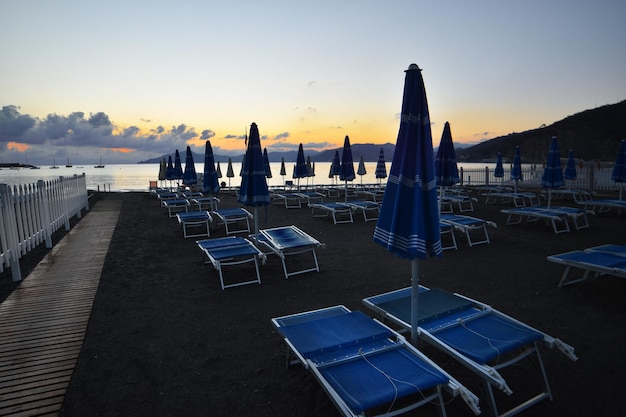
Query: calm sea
point(137, 177)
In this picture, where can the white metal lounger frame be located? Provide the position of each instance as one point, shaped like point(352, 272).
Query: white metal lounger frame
point(237, 260)
point(175, 206)
point(603, 206)
point(469, 229)
point(311, 197)
point(454, 387)
point(269, 241)
point(516, 216)
point(464, 203)
point(291, 200)
point(339, 209)
point(489, 374)
point(195, 219)
point(206, 202)
point(365, 207)
point(447, 229)
point(232, 218)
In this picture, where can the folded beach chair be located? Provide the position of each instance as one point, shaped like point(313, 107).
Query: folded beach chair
point(231, 250)
point(195, 219)
point(593, 260)
point(176, 206)
point(557, 216)
point(289, 241)
point(336, 210)
point(206, 203)
point(364, 365)
point(471, 226)
point(482, 339)
point(231, 217)
point(290, 200)
point(365, 207)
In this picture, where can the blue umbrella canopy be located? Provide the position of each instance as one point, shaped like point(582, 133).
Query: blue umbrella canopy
point(446, 170)
point(218, 170)
point(266, 164)
point(570, 167)
point(162, 169)
point(381, 168)
point(516, 170)
point(210, 184)
point(300, 170)
point(169, 171)
point(619, 169)
point(283, 170)
point(347, 165)
point(335, 166)
point(253, 190)
point(190, 177)
point(553, 173)
point(499, 171)
point(408, 224)
point(230, 173)
point(361, 168)
point(178, 167)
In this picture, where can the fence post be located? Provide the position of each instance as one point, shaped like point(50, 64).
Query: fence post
point(45, 212)
point(486, 175)
point(10, 228)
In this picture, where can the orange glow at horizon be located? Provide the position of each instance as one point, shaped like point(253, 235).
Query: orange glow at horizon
point(122, 150)
point(16, 146)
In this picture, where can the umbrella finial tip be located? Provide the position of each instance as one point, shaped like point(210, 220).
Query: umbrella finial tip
point(414, 67)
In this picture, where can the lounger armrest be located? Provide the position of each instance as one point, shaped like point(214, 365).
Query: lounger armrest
point(566, 349)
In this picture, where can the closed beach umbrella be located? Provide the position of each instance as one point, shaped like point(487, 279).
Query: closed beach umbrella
point(178, 166)
point(381, 168)
point(446, 170)
point(516, 170)
point(347, 165)
point(570, 167)
point(361, 168)
point(553, 174)
point(229, 171)
point(210, 184)
point(162, 169)
point(283, 170)
point(266, 163)
point(335, 167)
point(253, 190)
point(499, 171)
point(300, 170)
point(169, 171)
point(408, 224)
point(218, 170)
point(619, 169)
point(190, 177)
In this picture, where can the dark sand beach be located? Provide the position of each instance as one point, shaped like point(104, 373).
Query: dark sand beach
point(164, 340)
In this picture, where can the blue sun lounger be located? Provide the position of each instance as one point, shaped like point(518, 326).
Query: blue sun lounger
point(365, 207)
point(195, 219)
point(557, 216)
point(231, 250)
point(363, 364)
point(336, 210)
point(289, 241)
point(233, 216)
point(603, 205)
point(204, 203)
point(471, 226)
point(311, 197)
point(290, 200)
point(479, 337)
point(601, 260)
point(176, 206)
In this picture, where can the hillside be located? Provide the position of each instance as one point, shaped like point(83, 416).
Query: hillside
point(592, 134)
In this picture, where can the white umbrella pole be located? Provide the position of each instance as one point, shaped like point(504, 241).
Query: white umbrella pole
point(346, 192)
point(256, 225)
point(415, 280)
point(549, 196)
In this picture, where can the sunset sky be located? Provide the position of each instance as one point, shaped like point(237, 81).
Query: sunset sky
point(131, 80)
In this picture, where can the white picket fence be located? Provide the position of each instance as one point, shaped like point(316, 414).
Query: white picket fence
point(31, 213)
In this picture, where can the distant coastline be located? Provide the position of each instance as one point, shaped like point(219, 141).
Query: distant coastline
point(15, 165)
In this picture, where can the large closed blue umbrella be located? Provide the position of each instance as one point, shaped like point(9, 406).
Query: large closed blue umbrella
point(499, 171)
point(408, 224)
point(570, 167)
point(210, 184)
point(553, 173)
point(446, 170)
point(300, 169)
point(347, 165)
point(169, 170)
point(190, 177)
point(516, 169)
point(162, 169)
point(381, 168)
point(178, 166)
point(253, 190)
point(361, 168)
point(619, 169)
point(335, 167)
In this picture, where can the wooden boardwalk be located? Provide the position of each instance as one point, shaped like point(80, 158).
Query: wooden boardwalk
point(43, 322)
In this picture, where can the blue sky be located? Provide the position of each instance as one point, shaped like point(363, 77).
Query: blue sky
point(130, 80)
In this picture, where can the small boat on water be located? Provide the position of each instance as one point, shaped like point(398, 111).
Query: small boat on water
point(68, 165)
point(99, 165)
point(54, 164)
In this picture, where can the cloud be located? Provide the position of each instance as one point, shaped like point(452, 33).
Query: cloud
point(207, 134)
point(13, 125)
point(280, 136)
